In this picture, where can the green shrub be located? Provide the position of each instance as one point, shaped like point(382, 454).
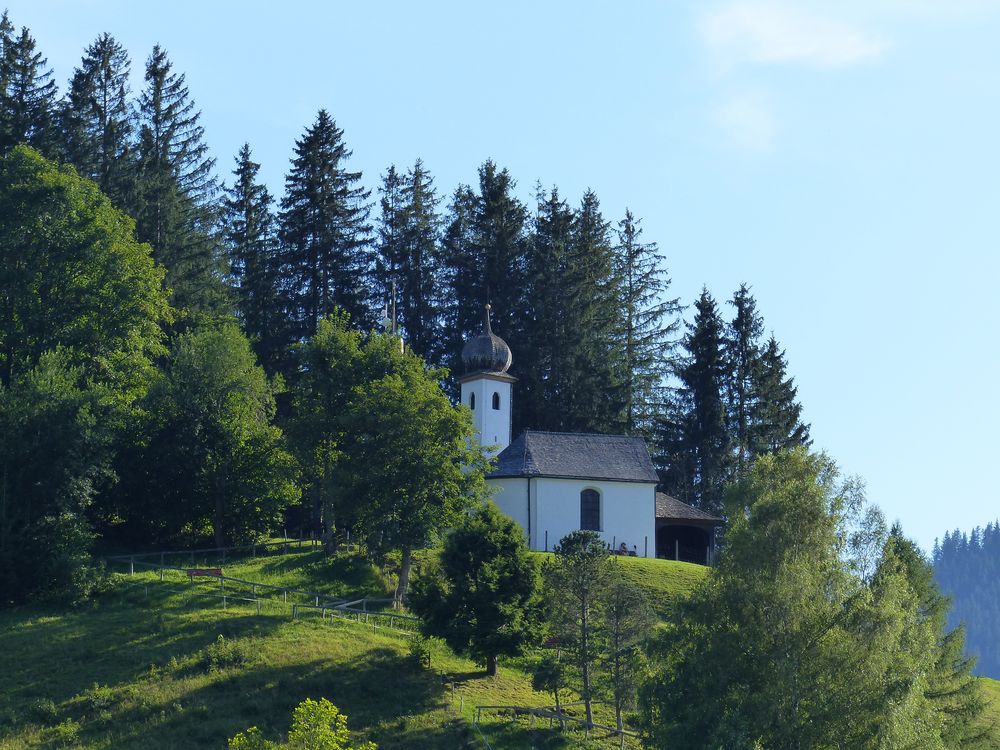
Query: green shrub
point(44, 711)
point(64, 734)
point(229, 654)
point(420, 651)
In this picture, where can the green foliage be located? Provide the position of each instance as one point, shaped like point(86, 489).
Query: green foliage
point(694, 442)
point(577, 578)
point(550, 676)
point(176, 189)
point(626, 624)
point(230, 653)
point(325, 231)
point(646, 325)
point(211, 457)
point(382, 444)
point(791, 643)
point(250, 235)
point(96, 120)
point(409, 255)
point(80, 313)
point(482, 599)
point(27, 94)
point(420, 651)
point(316, 725)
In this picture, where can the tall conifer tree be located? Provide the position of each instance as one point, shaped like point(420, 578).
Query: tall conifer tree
point(97, 120)
point(460, 271)
point(779, 414)
point(595, 401)
point(250, 234)
point(410, 255)
point(6, 71)
point(325, 231)
point(29, 101)
point(694, 443)
point(550, 333)
point(741, 350)
point(176, 188)
point(647, 323)
point(485, 244)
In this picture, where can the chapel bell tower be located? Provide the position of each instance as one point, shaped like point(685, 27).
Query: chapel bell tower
point(486, 387)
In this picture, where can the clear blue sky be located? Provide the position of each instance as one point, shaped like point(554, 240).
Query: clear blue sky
point(842, 158)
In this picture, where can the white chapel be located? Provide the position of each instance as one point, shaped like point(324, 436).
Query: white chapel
point(553, 483)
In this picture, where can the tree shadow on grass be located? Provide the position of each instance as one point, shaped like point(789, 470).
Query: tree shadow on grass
point(346, 575)
point(57, 657)
point(376, 692)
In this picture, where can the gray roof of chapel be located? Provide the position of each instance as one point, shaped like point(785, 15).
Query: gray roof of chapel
point(670, 508)
point(575, 455)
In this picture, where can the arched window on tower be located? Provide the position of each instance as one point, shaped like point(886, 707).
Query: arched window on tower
point(590, 510)
point(496, 400)
point(472, 400)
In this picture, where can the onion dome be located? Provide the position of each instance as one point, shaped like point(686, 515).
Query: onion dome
point(487, 351)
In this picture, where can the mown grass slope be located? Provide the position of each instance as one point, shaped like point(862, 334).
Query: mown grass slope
point(155, 664)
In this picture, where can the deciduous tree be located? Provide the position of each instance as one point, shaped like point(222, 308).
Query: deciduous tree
point(785, 645)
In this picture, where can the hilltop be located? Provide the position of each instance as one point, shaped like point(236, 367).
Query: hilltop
point(153, 664)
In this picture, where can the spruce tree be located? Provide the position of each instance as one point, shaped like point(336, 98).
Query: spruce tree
point(325, 232)
point(694, 453)
point(778, 421)
point(29, 100)
point(461, 315)
point(6, 66)
point(549, 339)
point(250, 235)
point(422, 295)
point(97, 120)
point(741, 351)
point(647, 324)
point(484, 261)
point(176, 190)
point(410, 256)
point(595, 401)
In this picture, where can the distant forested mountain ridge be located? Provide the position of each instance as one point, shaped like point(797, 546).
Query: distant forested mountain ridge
point(967, 568)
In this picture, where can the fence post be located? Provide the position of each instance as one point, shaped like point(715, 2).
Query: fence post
point(258, 607)
point(161, 574)
point(645, 547)
point(131, 565)
point(284, 595)
point(546, 540)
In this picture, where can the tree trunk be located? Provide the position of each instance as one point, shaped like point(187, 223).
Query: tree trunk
point(491, 665)
point(585, 661)
point(404, 576)
point(220, 537)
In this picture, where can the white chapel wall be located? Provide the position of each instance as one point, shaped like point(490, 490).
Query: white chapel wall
point(512, 498)
point(628, 512)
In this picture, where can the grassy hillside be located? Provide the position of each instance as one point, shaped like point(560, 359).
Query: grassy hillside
point(991, 719)
point(161, 665)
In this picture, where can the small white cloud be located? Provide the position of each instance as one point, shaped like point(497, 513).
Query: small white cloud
point(774, 32)
point(747, 122)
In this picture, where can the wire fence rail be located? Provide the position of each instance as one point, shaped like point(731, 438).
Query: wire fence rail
point(199, 584)
point(554, 716)
point(191, 556)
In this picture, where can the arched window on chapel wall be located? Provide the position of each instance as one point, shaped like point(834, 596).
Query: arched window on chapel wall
point(590, 510)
